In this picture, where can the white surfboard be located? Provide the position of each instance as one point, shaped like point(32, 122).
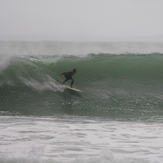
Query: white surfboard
point(74, 89)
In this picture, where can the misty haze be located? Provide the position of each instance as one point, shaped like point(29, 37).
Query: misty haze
point(85, 20)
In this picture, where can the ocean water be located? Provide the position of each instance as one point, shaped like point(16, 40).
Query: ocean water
point(118, 118)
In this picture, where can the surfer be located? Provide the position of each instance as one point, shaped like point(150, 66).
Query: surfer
point(68, 76)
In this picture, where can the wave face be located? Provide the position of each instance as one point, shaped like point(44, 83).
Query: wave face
point(120, 84)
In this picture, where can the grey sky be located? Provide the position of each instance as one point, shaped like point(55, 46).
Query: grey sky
point(81, 18)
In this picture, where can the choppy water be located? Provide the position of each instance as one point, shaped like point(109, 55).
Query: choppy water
point(79, 139)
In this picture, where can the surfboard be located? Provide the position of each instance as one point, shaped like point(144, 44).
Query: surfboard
point(74, 89)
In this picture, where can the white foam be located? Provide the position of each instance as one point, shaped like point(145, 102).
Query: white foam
point(47, 84)
point(5, 61)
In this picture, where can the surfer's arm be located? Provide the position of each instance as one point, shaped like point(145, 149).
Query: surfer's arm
point(62, 74)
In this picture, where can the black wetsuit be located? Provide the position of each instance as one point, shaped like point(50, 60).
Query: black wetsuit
point(68, 76)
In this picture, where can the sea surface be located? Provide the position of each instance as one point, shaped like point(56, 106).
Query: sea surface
point(118, 118)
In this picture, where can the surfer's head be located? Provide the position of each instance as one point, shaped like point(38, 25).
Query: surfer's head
point(74, 70)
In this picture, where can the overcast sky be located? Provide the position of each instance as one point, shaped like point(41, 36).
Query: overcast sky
point(81, 18)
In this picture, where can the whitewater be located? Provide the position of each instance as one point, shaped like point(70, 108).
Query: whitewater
point(116, 119)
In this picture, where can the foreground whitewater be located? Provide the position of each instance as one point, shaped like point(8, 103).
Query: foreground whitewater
point(80, 139)
point(117, 117)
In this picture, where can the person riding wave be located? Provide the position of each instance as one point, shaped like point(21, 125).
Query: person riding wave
point(68, 76)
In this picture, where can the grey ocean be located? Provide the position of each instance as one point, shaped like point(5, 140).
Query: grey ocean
point(118, 118)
